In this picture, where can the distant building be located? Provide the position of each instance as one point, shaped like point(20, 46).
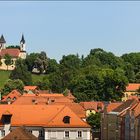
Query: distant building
point(15, 53)
point(131, 90)
point(92, 107)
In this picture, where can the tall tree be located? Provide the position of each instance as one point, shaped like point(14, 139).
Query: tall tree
point(8, 60)
point(11, 85)
point(21, 72)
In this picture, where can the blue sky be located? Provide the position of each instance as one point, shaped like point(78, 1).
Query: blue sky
point(62, 28)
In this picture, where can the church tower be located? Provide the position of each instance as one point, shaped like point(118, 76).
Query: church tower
point(22, 48)
point(2, 42)
point(22, 44)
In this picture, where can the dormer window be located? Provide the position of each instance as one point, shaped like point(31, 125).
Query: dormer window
point(6, 119)
point(8, 99)
point(14, 98)
point(66, 119)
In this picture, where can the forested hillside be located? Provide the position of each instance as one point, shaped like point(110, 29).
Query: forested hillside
point(98, 76)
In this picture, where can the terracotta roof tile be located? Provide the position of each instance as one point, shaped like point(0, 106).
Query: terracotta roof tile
point(41, 115)
point(11, 52)
point(126, 105)
point(12, 95)
point(133, 87)
point(92, 105)
point(30, 87)
point(112, 106)
point(20, 133)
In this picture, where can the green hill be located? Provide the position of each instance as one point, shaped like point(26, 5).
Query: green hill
point(4, 76)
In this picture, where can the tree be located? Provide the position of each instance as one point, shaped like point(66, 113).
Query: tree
point(43, 84)
point(11, 85)
point(94, 83)
point(41, 62)
point(94, 120)
point(8, 60)
point(30, 61)
point(21, 72)
point(53, 66)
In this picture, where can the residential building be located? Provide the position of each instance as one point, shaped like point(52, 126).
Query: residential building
point(131, 90)
point(11, 97)
point(46, 122)
point(20, 133)
point(92, 107)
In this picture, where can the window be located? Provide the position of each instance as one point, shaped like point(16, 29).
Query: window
point(30, 131)
point(14, 98)
point(79, 134)
point(66, 134)
point(2, 133)
point(66, 119)
point(41, 133)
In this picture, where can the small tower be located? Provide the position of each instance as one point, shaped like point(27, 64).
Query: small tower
point(2, 43)
point(22, 44)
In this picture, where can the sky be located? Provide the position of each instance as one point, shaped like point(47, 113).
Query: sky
point(70, 27)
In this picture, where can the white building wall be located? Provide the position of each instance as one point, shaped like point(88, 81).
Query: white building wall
point(59, 133)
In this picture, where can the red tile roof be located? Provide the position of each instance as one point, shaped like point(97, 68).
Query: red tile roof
point(133, 87)
point(92, 105)
point(12, 95)
point(42, 115)
point(20, 133)
point(11, 52)
point(30, 87)
point(112, 106)
point(32, 99)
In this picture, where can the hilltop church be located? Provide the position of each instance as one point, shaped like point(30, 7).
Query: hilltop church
point(15, 53)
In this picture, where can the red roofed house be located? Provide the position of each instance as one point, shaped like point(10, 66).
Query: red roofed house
point(92, 107)
point(131, 89)
point(11, 97)
point(47, 122)
point(13, 52)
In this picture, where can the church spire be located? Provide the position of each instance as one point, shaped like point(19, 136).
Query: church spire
point(2, 39)
point(22, 41)
point(22, 44)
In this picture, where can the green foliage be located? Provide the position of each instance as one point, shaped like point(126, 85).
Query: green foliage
point(95, 83)
point(4, 76)
point(13, 47)
point(53, 66)
point(21, 72)
point(94, 120)
point(43, 84)
point(8, 60)
point(11, 85)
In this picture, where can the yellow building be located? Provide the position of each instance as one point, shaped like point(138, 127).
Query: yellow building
point(131, 90)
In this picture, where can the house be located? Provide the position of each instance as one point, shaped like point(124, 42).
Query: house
point(15, 53)
point(20, 133)
point(30, 89)
point(117, 121)
point(92, 107)
point(11, 97)
point(51, 99)
point(47, 122)
point(131, 89)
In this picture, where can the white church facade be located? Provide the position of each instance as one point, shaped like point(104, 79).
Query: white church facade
point(15, 53)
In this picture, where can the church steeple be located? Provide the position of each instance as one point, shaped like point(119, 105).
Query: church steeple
point(2, 42)
point(22, 43)
point(22, 39)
